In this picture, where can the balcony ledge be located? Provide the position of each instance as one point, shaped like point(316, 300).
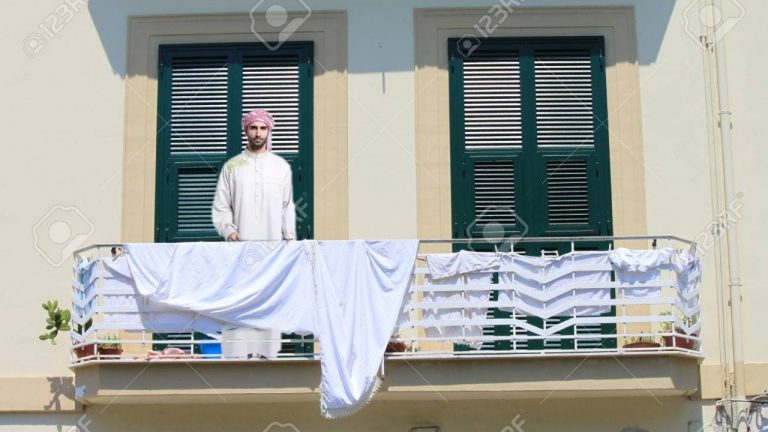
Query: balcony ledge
point(296, 380)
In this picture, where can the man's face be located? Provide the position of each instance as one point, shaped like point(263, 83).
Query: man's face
point(257, 133)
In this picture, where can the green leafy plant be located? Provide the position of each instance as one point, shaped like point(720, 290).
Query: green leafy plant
point(112, 342)
point(641, 339)
point(666, 327)
point(56, 322)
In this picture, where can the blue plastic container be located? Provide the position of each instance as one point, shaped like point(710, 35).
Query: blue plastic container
point(210, 349)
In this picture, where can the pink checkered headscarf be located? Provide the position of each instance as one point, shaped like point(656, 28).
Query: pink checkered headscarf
point(263, 116)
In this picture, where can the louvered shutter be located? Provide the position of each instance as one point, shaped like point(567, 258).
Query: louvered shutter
point(492, 116)
point(529, 139)
point(570, 121)
point(203, 93)
point(198, 105)
point(192, 143)
point(492, 139)
point(493, 200)
point(564, 110)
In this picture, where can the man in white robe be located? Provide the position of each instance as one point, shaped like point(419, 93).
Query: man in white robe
point(254, 194)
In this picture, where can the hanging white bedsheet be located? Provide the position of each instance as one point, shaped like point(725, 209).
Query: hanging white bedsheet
point(348, 293)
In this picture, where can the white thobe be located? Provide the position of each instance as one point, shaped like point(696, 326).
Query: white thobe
point(254, 198)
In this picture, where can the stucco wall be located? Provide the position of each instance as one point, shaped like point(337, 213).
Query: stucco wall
point(64, 130)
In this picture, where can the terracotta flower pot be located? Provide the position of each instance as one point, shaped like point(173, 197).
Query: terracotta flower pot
point(110, 351)
point(642, 345)
point(679, 342)
point(396, 347)
point(85, 351)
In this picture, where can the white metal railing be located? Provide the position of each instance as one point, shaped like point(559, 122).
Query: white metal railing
point(581, 307)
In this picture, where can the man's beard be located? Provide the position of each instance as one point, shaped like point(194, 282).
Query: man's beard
point(254, 145)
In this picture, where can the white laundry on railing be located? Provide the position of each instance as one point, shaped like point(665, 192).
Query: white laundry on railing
point(688, 269)
point(640, 267)
point(577, 286)
point(348, 293)
point(444, 265)
point(550, 286)
point(460, 281)
point(122, 299)
point(455, 304)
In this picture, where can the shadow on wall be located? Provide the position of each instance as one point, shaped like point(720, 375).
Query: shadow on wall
point(111, 21)
point(60, 387)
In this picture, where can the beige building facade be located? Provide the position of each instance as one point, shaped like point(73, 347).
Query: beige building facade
point(80, 121)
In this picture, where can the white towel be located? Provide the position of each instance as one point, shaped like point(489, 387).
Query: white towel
point(460, 333)
point(546, 287)
point(688, 278)
point(348, 293)
point(639, 267)
point(462, 262)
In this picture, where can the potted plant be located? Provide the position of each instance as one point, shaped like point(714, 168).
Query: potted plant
point(677, 341)
point(56, 322)
point(642, 341)
point(112, 347)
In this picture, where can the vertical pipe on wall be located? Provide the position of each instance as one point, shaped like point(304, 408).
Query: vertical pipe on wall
point(734, 279)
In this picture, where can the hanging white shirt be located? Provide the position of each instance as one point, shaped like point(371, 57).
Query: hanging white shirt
point(254, 198)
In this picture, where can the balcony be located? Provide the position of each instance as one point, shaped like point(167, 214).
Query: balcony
point(582, 329)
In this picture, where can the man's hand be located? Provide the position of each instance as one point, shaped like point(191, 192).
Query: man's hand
point(234, 237)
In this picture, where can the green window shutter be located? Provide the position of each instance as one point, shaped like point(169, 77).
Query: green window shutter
point(529, 138)
point(492, 101)
point(492, 196)
point(564, 108)
point(203, 92)
point(529, 153)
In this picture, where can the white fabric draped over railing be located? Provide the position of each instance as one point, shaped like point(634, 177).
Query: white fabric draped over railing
point(452, 300)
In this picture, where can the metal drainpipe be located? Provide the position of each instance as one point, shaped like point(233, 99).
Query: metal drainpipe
point(734, 280)
point(710, 88)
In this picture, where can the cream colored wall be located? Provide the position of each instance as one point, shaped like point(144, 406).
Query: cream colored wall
point(599, 415)
point(749, 99)
point(64, 132)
